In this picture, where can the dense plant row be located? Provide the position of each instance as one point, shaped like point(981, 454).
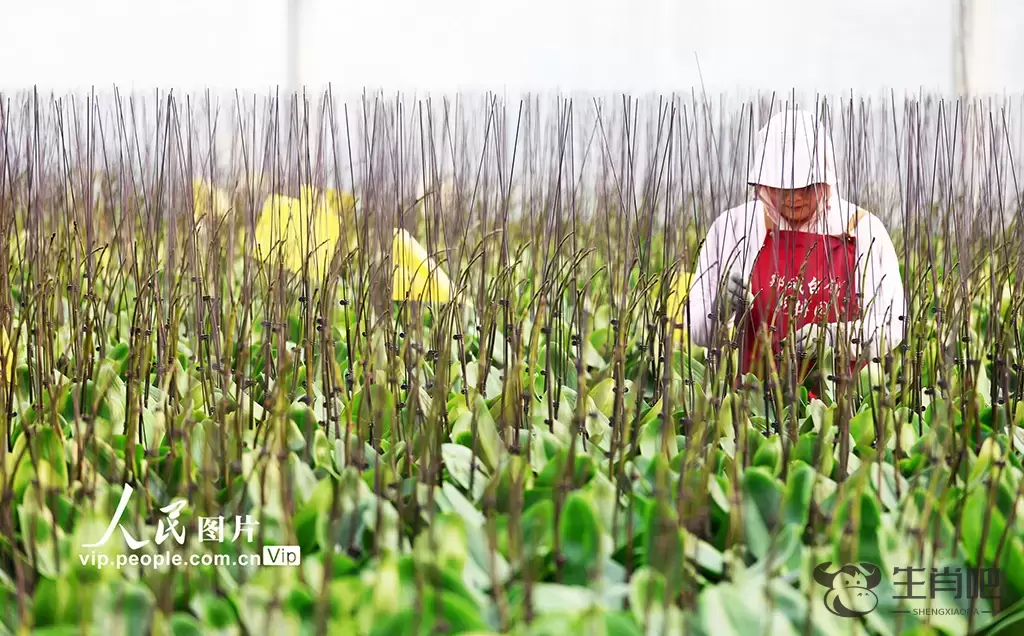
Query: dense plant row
point(471, 403)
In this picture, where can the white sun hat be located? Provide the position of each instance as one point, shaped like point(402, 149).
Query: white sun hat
point(795, 152)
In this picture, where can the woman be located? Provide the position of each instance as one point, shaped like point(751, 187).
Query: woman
point(798, 253)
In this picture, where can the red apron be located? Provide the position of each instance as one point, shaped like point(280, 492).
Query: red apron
point(800, 274)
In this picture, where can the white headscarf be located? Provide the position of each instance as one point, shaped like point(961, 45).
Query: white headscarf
point(796, 151)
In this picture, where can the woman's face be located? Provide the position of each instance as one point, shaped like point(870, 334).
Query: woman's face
point(796, 205)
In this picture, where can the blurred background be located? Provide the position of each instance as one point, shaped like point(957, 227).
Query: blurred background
point(887, 67)
point(937, 46)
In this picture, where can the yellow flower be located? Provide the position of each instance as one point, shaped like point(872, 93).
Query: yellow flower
point(284, 225)
point(341, 206)
point(7, 354)
point(203, 194)
point(679, 293)
point(416, 277)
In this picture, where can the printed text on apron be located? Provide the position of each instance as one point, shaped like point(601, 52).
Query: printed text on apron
point(809, 277)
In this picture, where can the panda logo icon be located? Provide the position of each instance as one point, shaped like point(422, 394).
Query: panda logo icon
point(856, 581)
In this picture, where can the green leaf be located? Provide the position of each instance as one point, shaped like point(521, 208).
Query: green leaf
point(1010, 623)
point(815, 451)
point(551, 598)
point(1010, 558)
point(323, 453)
point(373, 411)
point(580, 536)
point(793, 605)
point(705, 555)
point(183, 624)
point(57, 630)
point(459, 462)
point(983, 386)
point(603, 394)
point(724, 611)
point(486, 566)
point(555, 471)
point(799, 490)
point(453, 500)
point(508, 486)
point(538, 528)
point(976, 512)
point(769, 455)
point(43, 536)
point(761, 508)
point(562, 366)
point(259, 613)
point(129, 606)
point(621, 624)
point(860, 510)
point(862, 428)
point(444, 543)
point(664, 544)
point(213, 611)
point(553, 625)
point(319, 503)
point(302, 433)
point(492, 448)
point(492, 384)
point(646, 589)
point(49, 603)
point(459, 614)
point(650, 603)
point(50, 464)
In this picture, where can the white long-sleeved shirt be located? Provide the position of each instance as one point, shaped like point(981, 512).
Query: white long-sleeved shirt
point(736, 237)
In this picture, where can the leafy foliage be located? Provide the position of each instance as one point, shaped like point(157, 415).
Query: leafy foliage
point(531, 445)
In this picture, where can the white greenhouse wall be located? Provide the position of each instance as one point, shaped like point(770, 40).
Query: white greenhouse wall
point(592, 45)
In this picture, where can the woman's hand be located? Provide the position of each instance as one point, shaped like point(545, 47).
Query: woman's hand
point(735, 298)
